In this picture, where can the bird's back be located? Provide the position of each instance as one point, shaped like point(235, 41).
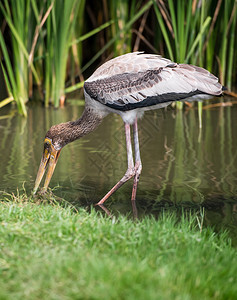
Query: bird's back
point(128, 63)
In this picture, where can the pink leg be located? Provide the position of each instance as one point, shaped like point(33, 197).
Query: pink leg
point(138, 168)
point(130, 171)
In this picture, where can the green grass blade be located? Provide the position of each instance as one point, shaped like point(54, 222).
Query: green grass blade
point(200, 114)
point(8, 85)
point(92, 32)
point(199, 36)
point(163, 30)
point(74, 87)
point(8, 63)
point(174, 24)
point(232, 40)
point(20, 42)
point(6, 101)
point(180, 38)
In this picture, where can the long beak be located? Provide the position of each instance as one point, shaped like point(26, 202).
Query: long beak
point(49, 159)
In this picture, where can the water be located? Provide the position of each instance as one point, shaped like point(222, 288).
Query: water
point(183, 166)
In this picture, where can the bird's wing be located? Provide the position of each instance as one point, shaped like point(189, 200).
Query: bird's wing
point(152, 85)
point(129, 63)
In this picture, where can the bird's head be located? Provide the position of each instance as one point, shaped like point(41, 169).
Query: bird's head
point(53, 144)
point(60, 135)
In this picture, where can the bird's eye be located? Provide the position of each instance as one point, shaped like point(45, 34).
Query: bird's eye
point(47, 143)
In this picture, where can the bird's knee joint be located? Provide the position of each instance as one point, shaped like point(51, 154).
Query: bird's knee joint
point(130, 173)
point(138, 167)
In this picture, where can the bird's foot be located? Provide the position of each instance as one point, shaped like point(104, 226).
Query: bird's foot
point(105, 210)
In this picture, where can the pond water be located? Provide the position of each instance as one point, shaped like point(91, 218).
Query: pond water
point(183, 166)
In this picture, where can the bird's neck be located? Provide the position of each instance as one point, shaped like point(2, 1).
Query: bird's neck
point(88, 122)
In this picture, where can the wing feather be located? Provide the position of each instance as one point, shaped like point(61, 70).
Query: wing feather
point(158, 80)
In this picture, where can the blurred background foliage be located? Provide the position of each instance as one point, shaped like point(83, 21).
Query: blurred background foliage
point(48, 47)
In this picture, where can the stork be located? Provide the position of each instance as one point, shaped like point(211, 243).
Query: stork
point(127, 85)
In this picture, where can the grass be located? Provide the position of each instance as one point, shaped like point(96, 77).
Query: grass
point(53, 252)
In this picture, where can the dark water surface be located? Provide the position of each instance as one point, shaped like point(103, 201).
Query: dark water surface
point(183, 166)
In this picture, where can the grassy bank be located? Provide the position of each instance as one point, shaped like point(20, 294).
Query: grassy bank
point(51, 252)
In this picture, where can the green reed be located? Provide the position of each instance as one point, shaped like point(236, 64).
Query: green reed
point(183, 30)
point(113, 39)
point(228, 25)
point(48, 48)
point(122, 12)
point(60, 24)
point(76, 48)
point(63, 48)
point(202, 33)
point(16, 69)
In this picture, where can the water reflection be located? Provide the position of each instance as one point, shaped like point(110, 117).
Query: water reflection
point(182, 166)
